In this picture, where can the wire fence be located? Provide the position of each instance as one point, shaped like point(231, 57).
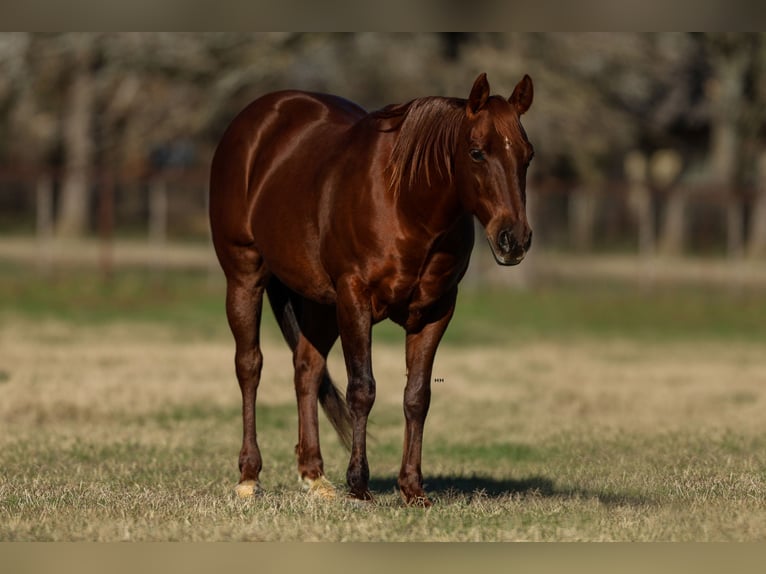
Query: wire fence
point(619, 216)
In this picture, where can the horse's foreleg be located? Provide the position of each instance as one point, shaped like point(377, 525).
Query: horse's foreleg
point(317, 336)
point(244, 297)
point(421, 350)
point(355, 325)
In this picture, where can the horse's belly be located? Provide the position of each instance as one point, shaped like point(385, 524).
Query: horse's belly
point(292, 261)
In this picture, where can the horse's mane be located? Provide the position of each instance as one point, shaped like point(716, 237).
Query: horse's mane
point(428, 130)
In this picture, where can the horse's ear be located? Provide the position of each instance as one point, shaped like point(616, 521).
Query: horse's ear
point(479, 95)
point(522, 95)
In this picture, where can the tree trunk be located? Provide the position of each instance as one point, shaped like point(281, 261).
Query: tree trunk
point(640, 200)
point(673, 235)
point(730, 59)
point(72, 218)
point(757, 244)
point(582, 218)
point(756, 247)
point(735, 227)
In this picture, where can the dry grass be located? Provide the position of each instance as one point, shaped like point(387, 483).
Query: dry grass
point(124, 432)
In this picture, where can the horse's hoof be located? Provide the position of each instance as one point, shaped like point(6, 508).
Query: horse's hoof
point(420, 502)
point(319, 487)
point(248, 489)
point(417, 501)
point(360, 499)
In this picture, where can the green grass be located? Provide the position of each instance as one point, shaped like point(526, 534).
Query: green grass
point(567, 413)
point(193, 303)
point(684, 486)
point(493, 315)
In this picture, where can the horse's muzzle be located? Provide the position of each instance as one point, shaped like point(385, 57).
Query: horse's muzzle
point(511, 244)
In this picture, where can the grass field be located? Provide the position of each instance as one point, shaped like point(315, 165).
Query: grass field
point(568, 412)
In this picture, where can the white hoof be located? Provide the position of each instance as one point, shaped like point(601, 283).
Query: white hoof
point(319, 488)
point(248, 489)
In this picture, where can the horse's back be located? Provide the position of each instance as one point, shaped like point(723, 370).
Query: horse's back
point(267, 172)
point(276, 143)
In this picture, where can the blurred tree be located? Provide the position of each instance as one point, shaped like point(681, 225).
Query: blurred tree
point(730, 56)
point(77, 135)
point(126, 101)
point(13, 47)
point(755, 149)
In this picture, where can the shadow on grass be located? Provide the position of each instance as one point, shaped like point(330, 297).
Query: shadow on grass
point(442, 486)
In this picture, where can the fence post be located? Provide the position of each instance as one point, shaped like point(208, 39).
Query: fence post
point(640, 200)
point(674, 223)
point(44, 204)
point(735, 226)
point(158, 211)
point(582, 215)
point(757, 244)
point(106, 223)
point(665, 167)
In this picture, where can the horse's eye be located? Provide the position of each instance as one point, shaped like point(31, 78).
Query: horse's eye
point(476, 154)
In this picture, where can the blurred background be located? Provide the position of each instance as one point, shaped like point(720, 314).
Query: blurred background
point(649, 147)
point(611, 387)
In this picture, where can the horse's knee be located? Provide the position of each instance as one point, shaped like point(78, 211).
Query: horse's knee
point(416, 404)
point(360, 395)
point(248, 365)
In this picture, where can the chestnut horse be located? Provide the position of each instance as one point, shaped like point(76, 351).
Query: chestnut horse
point(345, 218)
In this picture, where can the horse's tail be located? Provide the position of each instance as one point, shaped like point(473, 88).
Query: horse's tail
point(286, 306)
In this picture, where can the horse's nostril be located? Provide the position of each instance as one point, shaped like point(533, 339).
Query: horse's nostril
point(514, 241)
point(504, 240)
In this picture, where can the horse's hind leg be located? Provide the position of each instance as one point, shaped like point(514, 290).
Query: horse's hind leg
point(244, 298)
point(317, 335)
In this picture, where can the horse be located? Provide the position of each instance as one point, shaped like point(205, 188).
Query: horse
point(345, 218)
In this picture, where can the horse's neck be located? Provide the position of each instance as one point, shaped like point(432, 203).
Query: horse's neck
point(433, 208)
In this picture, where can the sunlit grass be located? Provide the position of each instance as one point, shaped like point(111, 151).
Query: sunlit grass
point(192, 302)
point(563, 414)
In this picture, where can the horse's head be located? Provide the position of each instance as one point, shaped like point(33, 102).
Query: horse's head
point(491, 167)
